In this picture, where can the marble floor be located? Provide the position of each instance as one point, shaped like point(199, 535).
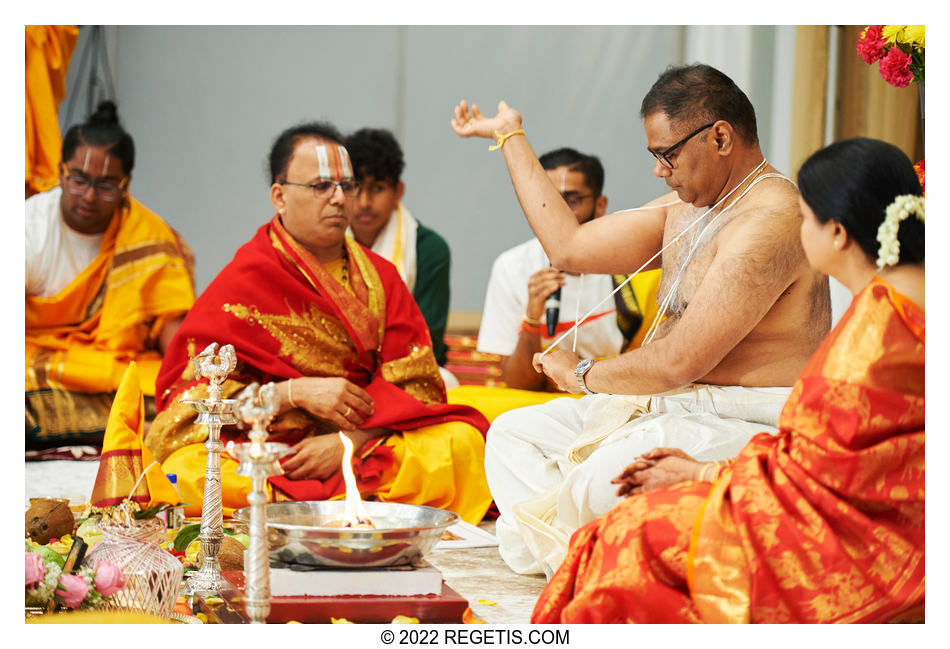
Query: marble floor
point(495, 593)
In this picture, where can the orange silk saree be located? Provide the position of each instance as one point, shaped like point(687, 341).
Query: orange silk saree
point(822, 522)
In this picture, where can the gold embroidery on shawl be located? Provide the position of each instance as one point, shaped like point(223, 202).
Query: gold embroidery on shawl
point(175, 426)
point(121, 473)
point(316, 343)
point(367, 282)
point(142, 249)
point(417, 373)
point(376, 294)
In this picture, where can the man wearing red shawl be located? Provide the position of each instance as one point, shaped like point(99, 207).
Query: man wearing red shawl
point(824, 521)
point(334, 326)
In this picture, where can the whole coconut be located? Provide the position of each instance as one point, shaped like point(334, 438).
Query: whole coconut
point(231, 554)
point(48, 518)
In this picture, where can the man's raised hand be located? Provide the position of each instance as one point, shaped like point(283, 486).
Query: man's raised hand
point(470, 122)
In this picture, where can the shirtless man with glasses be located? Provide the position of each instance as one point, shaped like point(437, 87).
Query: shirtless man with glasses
point(743, 313)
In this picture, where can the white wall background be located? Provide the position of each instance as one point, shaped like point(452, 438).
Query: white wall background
point(205, 103)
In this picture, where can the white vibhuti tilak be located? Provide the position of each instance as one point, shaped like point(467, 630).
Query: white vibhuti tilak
point(354, 512)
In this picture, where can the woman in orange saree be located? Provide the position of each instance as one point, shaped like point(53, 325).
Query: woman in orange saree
point(335, 328)
point(824, 521)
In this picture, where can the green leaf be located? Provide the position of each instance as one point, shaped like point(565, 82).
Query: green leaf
point(151, 512)
point(49, 554)
point(186, 535)
point(917, 66)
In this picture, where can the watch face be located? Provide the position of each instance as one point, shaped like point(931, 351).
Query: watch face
point(579, 372)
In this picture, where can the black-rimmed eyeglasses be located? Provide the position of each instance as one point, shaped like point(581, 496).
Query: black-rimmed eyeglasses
point(326, 188)
point(79, 185)
point(575, 200)
point(661, 155)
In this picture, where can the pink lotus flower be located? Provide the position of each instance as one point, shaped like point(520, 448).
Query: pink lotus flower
point(895, 68)
point(73, 589)
point(35, 569)
point(871, 44)
point(109, 579)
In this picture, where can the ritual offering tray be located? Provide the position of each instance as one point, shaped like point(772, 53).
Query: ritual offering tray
point(298, 537)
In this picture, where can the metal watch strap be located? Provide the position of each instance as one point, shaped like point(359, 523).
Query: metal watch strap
point(581, 371)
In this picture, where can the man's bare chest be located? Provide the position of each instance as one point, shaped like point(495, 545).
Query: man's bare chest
point(693, 240)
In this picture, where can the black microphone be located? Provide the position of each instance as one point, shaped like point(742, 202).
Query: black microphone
point(552, 309)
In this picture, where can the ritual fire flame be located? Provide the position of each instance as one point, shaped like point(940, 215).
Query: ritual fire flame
point(354, 514)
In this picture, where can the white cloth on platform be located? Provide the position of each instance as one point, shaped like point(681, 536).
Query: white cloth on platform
point(507, 296)
point(549, 466)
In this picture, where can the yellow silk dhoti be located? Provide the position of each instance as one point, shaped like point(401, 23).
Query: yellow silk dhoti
point(430, 463)
point(492, 401)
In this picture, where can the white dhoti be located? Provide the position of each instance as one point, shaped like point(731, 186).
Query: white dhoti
point(549, 466)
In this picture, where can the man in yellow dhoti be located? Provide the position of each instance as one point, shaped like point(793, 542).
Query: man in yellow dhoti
point(107, 282)
point(335, 327)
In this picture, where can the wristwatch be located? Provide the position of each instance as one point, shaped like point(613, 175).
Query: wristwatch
point(583, 368)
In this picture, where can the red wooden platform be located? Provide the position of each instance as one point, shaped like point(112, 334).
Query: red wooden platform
point(371, 609)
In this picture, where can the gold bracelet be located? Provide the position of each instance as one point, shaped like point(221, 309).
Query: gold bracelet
point(290, 393)
point(501, 138)
point(702, 473)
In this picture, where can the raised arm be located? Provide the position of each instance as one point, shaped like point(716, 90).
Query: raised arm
point(615, 243)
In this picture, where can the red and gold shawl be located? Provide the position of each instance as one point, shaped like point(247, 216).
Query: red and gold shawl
point(288, 317)
point(822, 522)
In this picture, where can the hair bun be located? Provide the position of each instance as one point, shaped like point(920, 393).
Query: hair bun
point(106, 114)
